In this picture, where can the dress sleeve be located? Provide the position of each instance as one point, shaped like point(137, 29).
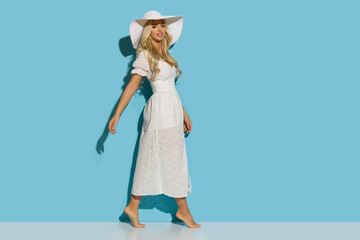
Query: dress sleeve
point(141, 65)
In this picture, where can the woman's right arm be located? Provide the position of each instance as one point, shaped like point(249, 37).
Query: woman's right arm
point(124, 100)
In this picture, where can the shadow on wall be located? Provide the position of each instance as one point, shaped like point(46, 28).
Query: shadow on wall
point(161, 202)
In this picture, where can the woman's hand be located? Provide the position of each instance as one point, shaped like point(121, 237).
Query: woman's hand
point(187, 124)
point(112, 124)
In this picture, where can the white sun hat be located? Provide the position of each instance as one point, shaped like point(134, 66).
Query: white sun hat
point(175, 24)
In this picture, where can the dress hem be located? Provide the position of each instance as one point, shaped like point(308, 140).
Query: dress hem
point(152, 194)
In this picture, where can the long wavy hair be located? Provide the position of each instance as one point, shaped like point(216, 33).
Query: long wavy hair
point(153, 56)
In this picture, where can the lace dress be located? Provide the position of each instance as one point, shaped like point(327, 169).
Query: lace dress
point(161, 166)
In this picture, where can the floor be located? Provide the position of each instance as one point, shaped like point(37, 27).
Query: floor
point(168, 231)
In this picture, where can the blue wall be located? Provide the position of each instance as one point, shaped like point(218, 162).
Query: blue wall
point(271, 87)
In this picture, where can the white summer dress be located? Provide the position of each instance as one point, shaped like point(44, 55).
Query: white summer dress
point(161, 166)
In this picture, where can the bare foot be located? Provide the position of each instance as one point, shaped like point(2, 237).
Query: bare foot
point(187, 218)
point(134, 217)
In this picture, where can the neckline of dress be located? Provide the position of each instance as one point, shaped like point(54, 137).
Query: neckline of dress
point(167, 63)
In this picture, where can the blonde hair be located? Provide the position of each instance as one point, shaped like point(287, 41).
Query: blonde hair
point(153, 56)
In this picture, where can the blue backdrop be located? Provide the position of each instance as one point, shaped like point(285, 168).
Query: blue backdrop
point(271, 87)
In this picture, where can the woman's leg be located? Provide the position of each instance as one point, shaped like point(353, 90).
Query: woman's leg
point(132, 210)
point(184, 214)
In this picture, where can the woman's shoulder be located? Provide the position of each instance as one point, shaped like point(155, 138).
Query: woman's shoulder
point(142, 56)
point(141, 61)
point(143, 53)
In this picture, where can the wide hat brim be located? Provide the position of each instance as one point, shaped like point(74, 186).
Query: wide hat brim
point(175, 24)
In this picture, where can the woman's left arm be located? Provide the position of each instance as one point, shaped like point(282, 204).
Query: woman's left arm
point(187, 121)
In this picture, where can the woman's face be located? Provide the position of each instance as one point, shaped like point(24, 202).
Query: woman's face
point(157, 30)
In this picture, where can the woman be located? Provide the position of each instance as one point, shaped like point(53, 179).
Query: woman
point(161, 166)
